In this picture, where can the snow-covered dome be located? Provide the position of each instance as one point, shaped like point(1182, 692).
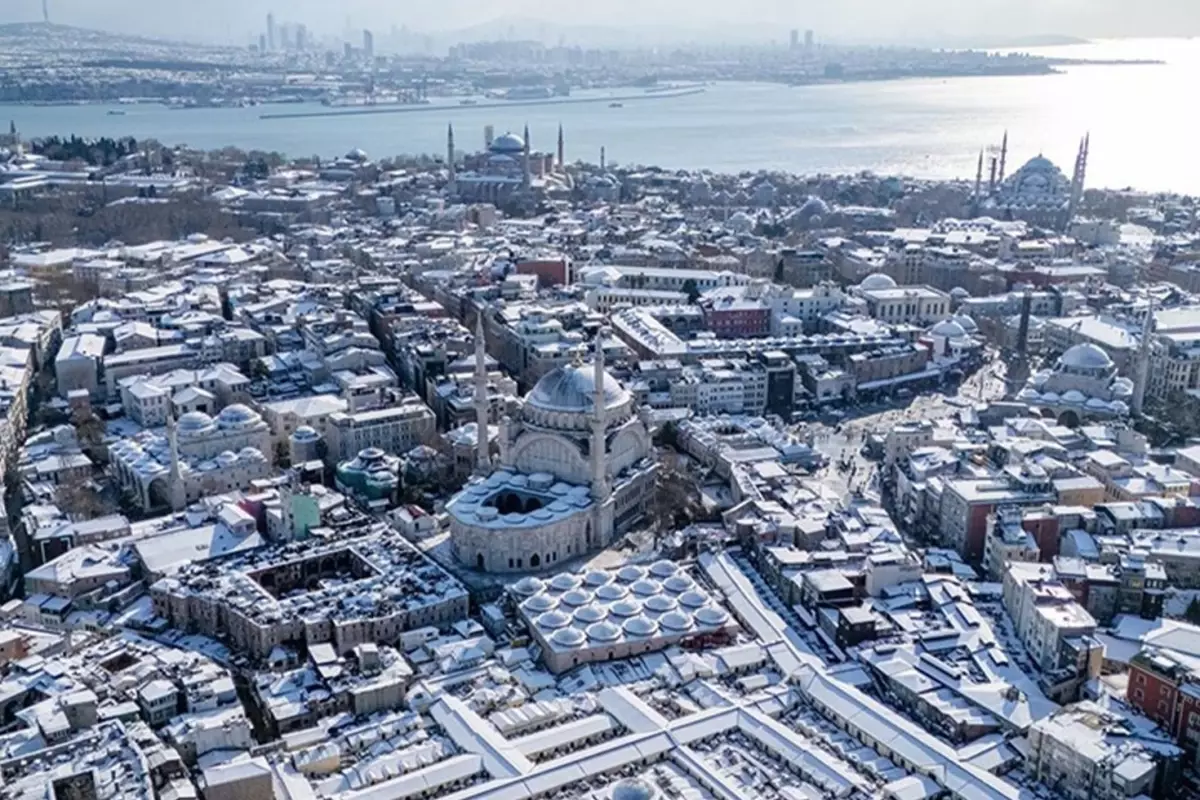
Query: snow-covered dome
point(568, 637)
point(678, 583)
point(663, 569)
point(194, 422)
point(305, 434)
point(237, 416)
point(661, 604)
point(625, 608)
point(1074, 397)
point(959, 293)
point(564, 582)
point(966, 323)
point(603, 632)
point(508, 144)
point(640, 626)
point(1096, 404)
point(589, 614)
point(630, 573)
point(539, 603)
point(576, 597)
point(948, 329)
point(612, 591)
point(647, 587)
point(676, 621)
point(1086, 356)
point(877, 280)
point(1028, 396)
point(529, 585)
point(1122, 387)
point(553, 620)
point(712, 616)
point(633, 789)
point(572, 388)
point(597, 577)
point(693, 599)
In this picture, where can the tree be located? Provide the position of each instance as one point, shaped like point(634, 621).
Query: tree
point(79, 499)
point(676, 502)
point(91, 430)
point(1192, 614)
point(691, 290)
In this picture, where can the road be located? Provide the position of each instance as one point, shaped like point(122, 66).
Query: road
point(842, 442)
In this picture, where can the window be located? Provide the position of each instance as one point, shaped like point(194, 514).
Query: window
point(1138, 694)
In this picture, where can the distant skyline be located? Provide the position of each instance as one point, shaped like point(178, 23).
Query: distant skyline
point(241, 21)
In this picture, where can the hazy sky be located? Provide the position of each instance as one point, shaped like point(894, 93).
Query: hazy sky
point(846, 20)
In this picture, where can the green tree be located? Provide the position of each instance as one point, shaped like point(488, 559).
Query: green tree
point(691, 290)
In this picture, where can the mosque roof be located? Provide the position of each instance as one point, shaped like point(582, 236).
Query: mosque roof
point(1086, 356)
point(507, 143)
point(572, 387)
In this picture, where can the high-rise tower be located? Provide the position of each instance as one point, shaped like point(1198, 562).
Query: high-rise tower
point(450, 155)
point(562, 162)
point(271, 32)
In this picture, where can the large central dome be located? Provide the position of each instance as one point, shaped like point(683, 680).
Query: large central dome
point(1086, 356)
point(573, 388)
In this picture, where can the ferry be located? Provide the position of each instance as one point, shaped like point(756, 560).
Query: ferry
point(616, 105)
point(116, 113)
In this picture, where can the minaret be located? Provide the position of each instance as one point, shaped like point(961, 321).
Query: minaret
point(285, 508)
point(1079, 177)
point(599, 424)
point(527, 168)
point(562, 161)
point(1138, 400)
point(979, 177)
point(1004, 157)
point(176, 491)
point(992, 178)
point(602, 158)
point(483, 460)
point(450, 154)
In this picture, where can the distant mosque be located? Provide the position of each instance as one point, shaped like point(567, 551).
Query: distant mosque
point(1038, 193)
point(508, 171)
point(576, 470)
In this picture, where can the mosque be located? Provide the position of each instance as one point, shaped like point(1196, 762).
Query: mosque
point(507, 171)
point(1083, 385)
point(1039, 192)
point(200, 455)
point(576, 470)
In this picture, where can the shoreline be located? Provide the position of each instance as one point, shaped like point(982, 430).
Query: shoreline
point(417, 108)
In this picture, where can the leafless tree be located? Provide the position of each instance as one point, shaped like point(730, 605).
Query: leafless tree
point(676, 502)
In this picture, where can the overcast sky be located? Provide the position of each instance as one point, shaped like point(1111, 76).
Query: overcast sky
point(846, 20)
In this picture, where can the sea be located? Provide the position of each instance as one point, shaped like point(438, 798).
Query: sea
point(1141, 118)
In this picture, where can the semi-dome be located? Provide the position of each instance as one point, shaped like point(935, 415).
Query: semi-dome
point(1086, 356)
point(573, 388)
point(877, 280)
point(966, 323)
point(508, 144)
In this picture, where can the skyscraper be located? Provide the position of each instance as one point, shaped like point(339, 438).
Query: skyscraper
point(301, 36)
point(808, 40)
point(270, 31)
point(368, 43)
point(794, 41)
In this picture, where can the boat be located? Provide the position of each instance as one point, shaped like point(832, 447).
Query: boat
point(116, 113)
point(468, 102)
point(616, 105)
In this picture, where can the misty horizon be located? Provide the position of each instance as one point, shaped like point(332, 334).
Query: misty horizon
point(853, 21)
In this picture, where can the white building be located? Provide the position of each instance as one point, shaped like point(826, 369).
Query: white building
point(77, 365)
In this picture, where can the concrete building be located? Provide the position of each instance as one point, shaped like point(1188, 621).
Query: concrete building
point(78, 364)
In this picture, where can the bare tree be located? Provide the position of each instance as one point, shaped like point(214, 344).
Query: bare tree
point(676, 502)
point(79, 499)
point(91, 430)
